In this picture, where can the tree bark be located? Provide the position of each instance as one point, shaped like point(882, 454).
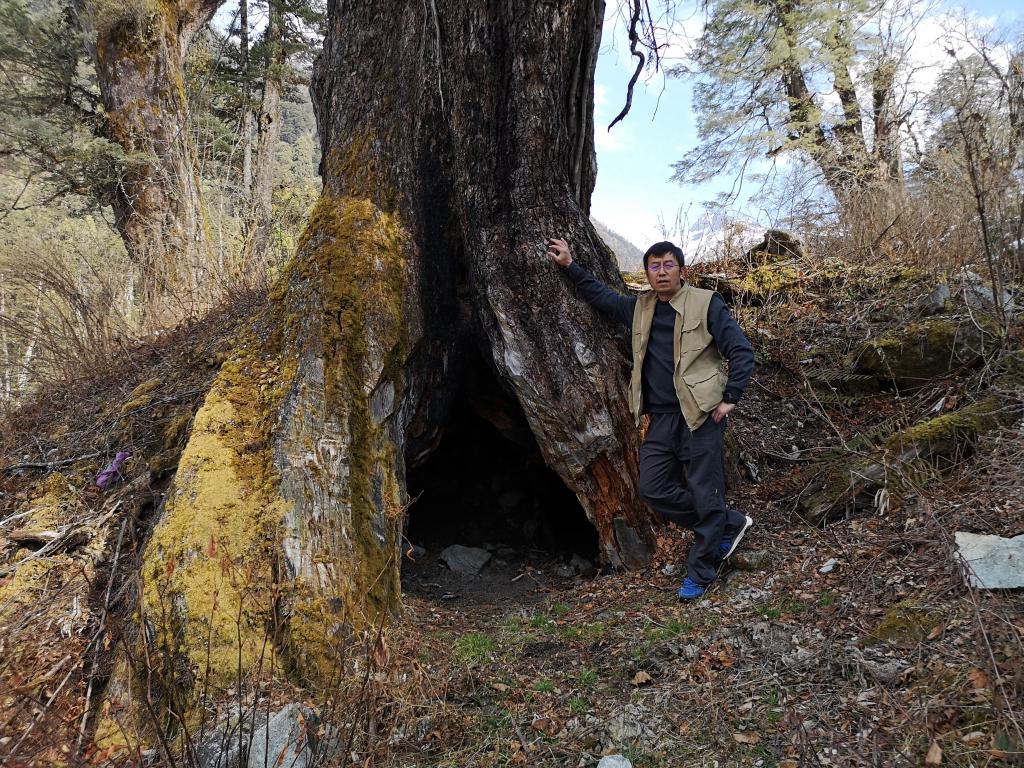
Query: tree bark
point(445, 169)
point(140, 58)
point(259, 222)
point(482, 144)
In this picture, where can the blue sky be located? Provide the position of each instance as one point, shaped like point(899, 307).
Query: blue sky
point(634, 194)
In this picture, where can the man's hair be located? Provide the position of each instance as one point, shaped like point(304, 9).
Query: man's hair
point(664, 248)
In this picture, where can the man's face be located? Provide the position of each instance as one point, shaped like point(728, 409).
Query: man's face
point(663, 272)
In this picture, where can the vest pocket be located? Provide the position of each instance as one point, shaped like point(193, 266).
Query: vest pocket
point(706, 390)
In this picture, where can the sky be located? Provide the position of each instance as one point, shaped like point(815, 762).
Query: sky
point(634, 194)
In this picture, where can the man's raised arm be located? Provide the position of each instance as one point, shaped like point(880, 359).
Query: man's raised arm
point(608, 302)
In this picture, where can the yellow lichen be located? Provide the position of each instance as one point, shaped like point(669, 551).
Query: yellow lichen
point(56, 505)
point(769, 278)
point(209, 571)
point(141, 396)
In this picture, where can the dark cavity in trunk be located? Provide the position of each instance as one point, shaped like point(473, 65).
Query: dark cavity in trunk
point(486, 483)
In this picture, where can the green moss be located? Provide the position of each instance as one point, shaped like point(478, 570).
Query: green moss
point(353, 264)
point(210, 568)
point(769, 278)
point(944, 435)
point(176, 428)
point(56, 504)
point(911, 355)
point(906, 624)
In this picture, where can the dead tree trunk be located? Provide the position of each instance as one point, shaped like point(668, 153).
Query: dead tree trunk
point(140, 58)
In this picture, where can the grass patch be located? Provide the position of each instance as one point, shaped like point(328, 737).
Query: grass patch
point(578, 705)
point(587, 676)
point(544, 686)
point(474, 648)
point(540, 621)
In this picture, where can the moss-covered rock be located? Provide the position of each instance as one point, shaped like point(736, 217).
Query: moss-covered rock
point(924, 350)
point(934, 443)
point(767, 280)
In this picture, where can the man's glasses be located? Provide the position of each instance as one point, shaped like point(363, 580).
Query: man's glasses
point(668, 266)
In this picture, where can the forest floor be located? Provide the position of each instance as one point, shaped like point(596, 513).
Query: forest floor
point(885, 660)
point(851, 643)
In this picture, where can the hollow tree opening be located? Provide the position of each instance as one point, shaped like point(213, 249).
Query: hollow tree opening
point(486, 483)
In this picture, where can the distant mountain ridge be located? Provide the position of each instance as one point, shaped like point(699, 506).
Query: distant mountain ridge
point(629, 257)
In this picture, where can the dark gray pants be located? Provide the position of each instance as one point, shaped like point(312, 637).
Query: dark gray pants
point(670, 449)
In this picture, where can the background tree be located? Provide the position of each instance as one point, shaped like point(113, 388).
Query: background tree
point(823, 80)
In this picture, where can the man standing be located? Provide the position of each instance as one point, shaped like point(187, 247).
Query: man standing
point(682, 337)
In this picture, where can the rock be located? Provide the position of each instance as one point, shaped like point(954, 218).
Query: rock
point(630, 725)
point(751, 559)
point(978, 295)
point(909, 357)
point(289, 738)
point(776, 243)
point(669, 569)
point(614, 761)
point(828, 566)
point(583, 566)
point(991, 562)
point(468, 561)
point(937, 301)
point(880, 668)
point(565, 571)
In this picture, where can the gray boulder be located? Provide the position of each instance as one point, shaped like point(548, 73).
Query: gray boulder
point(991, 562)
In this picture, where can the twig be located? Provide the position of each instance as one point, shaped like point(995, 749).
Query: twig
point(633, 40)
point(49, 464)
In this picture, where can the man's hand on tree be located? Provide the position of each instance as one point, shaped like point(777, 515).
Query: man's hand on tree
point(721, 411)
point(558, 250)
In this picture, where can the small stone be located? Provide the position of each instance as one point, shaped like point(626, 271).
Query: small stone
point(614, 761)
point(828, 566)
point(669, 569)
point(936, 300)
point(468, 561)
point(751, 559)
point(583, 566)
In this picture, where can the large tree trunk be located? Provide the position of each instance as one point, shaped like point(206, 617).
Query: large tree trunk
point(445, 168)
point(140, 58)
point(483, 147)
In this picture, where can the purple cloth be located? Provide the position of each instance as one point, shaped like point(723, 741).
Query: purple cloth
point(112, 473)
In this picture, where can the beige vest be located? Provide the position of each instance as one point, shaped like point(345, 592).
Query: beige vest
point(700, 374)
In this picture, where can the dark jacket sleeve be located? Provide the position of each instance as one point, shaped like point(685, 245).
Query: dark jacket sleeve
point(608, 302)
point(733, 346)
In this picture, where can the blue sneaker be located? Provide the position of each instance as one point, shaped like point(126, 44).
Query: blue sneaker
point(728, 545)
point(690, 590)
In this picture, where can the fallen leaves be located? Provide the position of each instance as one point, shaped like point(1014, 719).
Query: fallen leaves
point(934, 756)
point(641, 678)
point(746, 737)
